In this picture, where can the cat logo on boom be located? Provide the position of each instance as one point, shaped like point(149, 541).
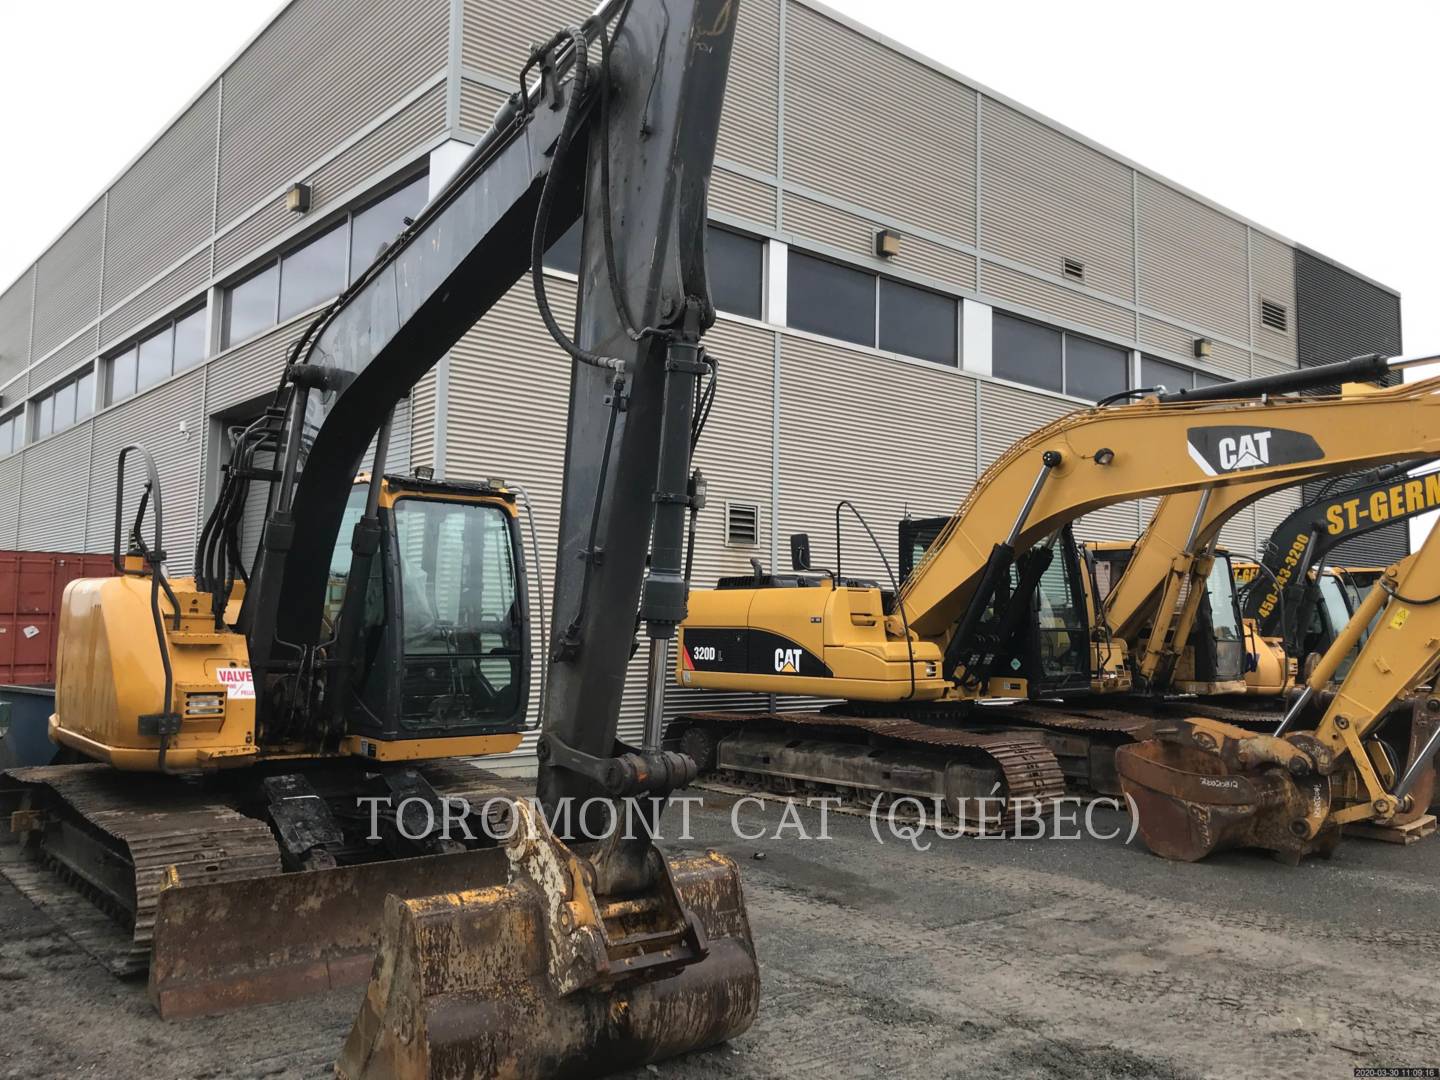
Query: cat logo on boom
point(787, 661)
point(1229, 449)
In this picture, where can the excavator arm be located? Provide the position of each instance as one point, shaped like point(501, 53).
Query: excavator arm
point(936, 641)
point(1203, 785)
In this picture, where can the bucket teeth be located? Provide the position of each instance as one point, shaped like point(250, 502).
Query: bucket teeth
point(530, 978)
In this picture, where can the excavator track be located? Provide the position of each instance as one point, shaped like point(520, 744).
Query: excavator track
point(104, 832)
point(984, 779)
point(100, 845)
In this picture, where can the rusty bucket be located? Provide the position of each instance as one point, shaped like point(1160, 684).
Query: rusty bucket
point(546, 977)
point(1189, 803)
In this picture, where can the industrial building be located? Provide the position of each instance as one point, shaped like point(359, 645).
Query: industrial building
point(899, 301)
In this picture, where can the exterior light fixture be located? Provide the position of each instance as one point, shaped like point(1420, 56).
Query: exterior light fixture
point(887, 243)
point(1203, 347)
point(1104, 456)
point(297, 199)
point(424, 472)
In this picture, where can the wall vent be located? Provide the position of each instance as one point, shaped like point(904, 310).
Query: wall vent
point(1073, 269)
point(1274, 315)
point(742, 524)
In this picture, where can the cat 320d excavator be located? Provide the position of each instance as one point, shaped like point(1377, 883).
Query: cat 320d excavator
point(238, 730)
point(915, 663)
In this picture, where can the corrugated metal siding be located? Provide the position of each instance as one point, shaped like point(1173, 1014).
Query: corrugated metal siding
point(316, 75)
point(1225, 360)
point(408, 130)
point(497, 37)
point(881, 148)
point(161, 207)
point(749, 122)
point(1046, 197)
point(53, 503)
point(1273, 267)
point(153, 420)
point(62, 361)
point(422, 421)
point(15, 326)
point(396, 139)
point(244, 373)
point(1002, 283)
point(67, 289)
point(924, 466)
point(478, 104)
point(738, 194)
point(1270, 512)
point(1008, 414)
point(185, 279)
point(1337, 316)
point(1193, 262)
point(856, 235)
point(10, 473)
point(1238, 535)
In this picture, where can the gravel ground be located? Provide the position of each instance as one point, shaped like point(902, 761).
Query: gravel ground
point(977, 957)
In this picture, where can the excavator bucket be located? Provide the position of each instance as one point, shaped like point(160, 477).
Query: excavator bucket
point(553, 975)
point(231, 944)
point(1191, 802)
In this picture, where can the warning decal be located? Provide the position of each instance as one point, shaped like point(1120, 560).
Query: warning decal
point(239, 683)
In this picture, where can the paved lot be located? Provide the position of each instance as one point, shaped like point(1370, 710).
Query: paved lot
point(975, 958)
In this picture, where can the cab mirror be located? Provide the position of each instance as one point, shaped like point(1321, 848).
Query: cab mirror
point(800, 551)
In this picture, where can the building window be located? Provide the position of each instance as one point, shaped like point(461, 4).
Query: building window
point(177, 345)
point(742, 524)
point(855, 305)
point(62, 406)
point(564, 253)
point(1274, 315)
point(735, 267)
point(1027, 352)
point(373, 228)
point(12, 432)
point(1156, 373)
point(320, 268)
point(1052, 359)
point(918, 322)
point(830, 299)
point(251, 305)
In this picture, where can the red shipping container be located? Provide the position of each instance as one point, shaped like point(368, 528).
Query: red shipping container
point(31, 585)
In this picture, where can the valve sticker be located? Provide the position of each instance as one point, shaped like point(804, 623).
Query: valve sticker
point(31, 631)
point(1398, 620)
point(239, 683)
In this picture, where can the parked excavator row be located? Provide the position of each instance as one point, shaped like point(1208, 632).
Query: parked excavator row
point(931, 670)
point(240, 723)
point(1201, 785)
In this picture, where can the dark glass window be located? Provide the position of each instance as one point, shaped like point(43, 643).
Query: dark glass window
point(918, 322)
point(313, 273)
point(156, 355)
point(250, 306)
point(1093, 370)
point(1027, 352)
point(564, 253)
point(1155, 373)
point(64, 406)
point(44, 417)
point(735, 266)
point(833, 300)
point(9, 434)
point(122, 375)
point(380, 222)
point(85, 395)
point(190, 340)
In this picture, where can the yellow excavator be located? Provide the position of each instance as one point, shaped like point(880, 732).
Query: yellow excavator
point(1202, 785)
point(929, 669)
point(276, 753)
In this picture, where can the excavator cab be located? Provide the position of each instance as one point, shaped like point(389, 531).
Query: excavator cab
point(444, 609)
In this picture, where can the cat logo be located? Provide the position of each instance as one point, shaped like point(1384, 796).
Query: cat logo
point(787, 661)
point(1219, 450)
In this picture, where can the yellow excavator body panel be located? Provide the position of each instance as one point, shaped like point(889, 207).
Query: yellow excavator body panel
point(110, 686)
point(814, 639)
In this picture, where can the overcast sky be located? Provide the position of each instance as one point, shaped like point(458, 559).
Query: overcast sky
point(1317, 120)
